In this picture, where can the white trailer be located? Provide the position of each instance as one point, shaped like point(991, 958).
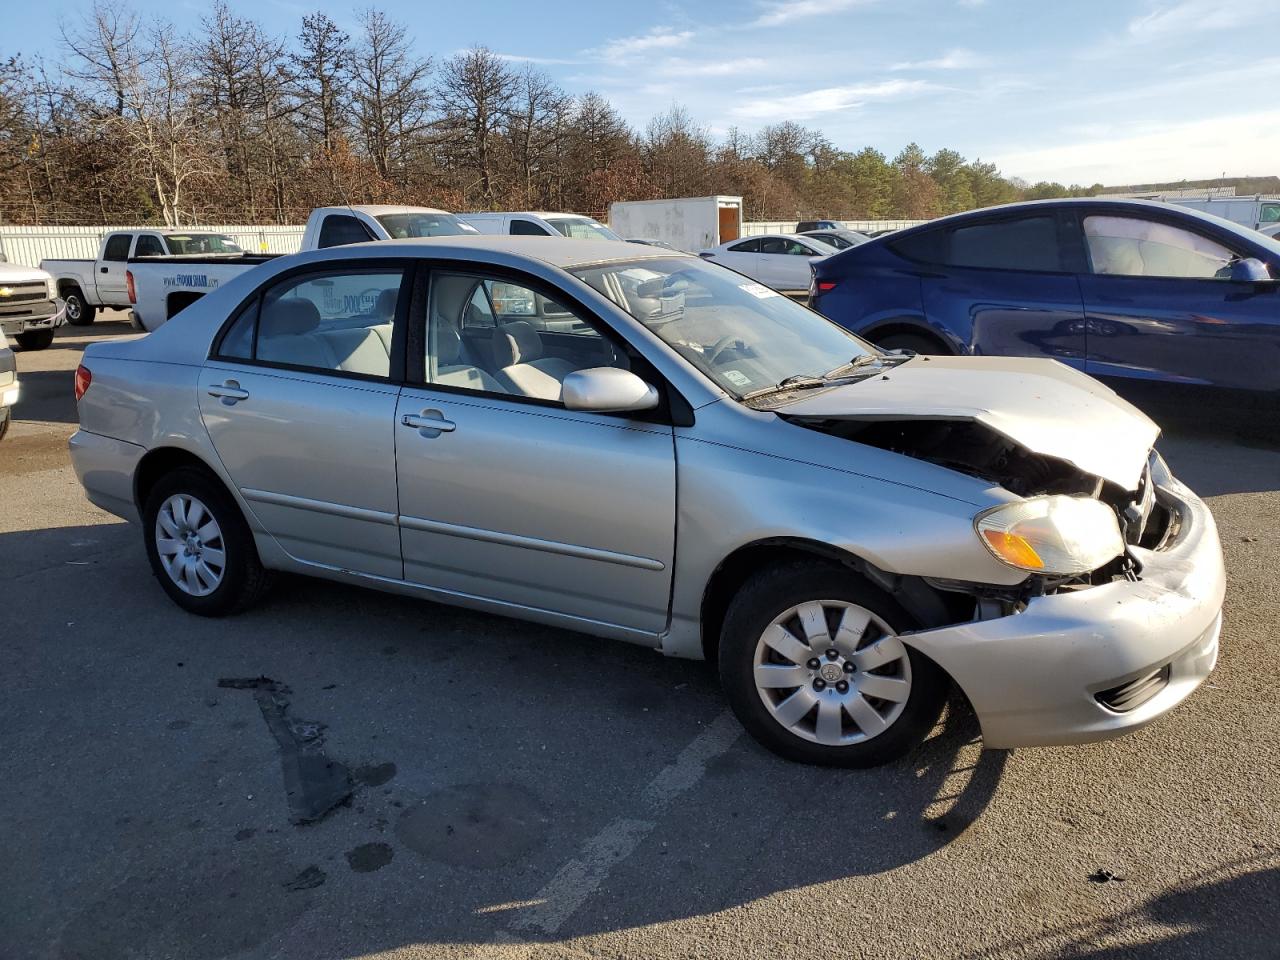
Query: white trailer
point(1257, 213)
point(688, 223)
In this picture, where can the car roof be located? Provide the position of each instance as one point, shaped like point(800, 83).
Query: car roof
point(542, 214)
point(557, 251)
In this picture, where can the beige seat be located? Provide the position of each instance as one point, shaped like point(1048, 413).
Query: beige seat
point(522, 369)
point(450, 373)
point(364, 350)
point(287, 334)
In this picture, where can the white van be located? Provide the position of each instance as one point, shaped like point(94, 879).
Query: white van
point(540, 224)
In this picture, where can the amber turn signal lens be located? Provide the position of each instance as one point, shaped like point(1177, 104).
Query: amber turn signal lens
point(1013, 549)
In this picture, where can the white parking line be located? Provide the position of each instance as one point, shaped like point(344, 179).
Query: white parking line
point(580, 877)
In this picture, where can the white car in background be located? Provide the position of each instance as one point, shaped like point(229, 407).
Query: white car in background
point(8, 383)
point(539, 224)
point(778, 260)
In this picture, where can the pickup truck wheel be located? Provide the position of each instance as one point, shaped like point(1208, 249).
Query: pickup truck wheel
point(812, 664)
point(35, 339)
point(79, 313)
point(200, 548)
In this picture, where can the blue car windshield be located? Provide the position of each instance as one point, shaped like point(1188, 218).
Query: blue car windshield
point(741, 334)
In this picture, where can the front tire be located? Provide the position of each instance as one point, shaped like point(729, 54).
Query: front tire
point(80, 313)
point(872, 702)
point(915, 342)
point(35, 339)
point(200, 548)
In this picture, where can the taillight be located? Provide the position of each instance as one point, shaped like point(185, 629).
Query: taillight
point(128, 283)
point(83, 379)
point(826, 286)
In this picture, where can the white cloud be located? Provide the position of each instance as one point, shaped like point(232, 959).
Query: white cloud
point(716, 68)
point(659, 38)
point(958, 59)
point(1198, 149)
point(1191, 17)
point(829, 100)
point(777, 12)
point(973, 3)
point(521, 58)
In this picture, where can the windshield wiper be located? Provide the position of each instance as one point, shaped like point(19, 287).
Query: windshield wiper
point(861, 360)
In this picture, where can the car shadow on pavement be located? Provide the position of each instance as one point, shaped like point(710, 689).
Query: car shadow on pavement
point(534, 784)
point(47, 396)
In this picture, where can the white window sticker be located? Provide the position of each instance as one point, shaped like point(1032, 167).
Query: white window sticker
point(736, 378)
point(759, 291)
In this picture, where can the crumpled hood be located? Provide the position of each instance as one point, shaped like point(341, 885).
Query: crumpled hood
point(17, 273)
point(1041, 405)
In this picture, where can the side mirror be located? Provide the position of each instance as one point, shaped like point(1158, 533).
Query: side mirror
point(607, 390)
point(1250, 270)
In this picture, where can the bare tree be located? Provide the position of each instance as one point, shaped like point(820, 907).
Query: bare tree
point(105, 51)
point(475, 92)
point(321, 72)
point(390, 92)
point(534, 130)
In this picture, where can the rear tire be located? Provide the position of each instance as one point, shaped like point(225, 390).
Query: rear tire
point(35, 339)
point(200, 548)
point(787, 619)
point(915, 342)
point(5, 417)
point(80, 313)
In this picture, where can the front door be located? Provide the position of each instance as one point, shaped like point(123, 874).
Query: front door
point(1160, 305)
point(507, 496)
point(110, 280)
point(300, 404)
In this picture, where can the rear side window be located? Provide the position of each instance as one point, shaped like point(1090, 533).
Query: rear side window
point(1026, 243)
point(748, 246)
point(117, 247)
point(148, 246)
point(527, 228)
point(339, 229)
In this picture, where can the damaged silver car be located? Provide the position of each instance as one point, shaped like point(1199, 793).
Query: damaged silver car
point(645, 446)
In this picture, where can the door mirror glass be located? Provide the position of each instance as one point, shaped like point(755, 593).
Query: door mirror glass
point(607, 390)
point(1249, 270)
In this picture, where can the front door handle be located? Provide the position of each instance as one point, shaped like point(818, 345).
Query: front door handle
point(429, 423)
point(229, 393)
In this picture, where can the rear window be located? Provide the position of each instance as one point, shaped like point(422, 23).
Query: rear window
point(1027, 243)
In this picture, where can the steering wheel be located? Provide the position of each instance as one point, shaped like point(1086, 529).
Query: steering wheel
point(723, 345)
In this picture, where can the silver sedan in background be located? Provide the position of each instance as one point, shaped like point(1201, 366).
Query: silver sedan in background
point(641, 445)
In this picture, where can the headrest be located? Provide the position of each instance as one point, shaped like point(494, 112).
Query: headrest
point(448, 345)
point(291, 316)
point(516, 342)
point(385, 308)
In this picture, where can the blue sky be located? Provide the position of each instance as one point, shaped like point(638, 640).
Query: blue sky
point(1084, 91)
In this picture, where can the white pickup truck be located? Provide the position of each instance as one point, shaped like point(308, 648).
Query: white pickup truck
point(29, 307)
point(86, 285)
point(158, 287)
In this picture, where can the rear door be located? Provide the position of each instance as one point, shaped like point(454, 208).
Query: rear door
point(110, 278)
point(1004, 286)
point(1160, 305)
point(299, 400)
point(743, 257)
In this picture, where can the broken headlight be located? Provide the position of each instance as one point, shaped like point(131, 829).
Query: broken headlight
point(1052, 534)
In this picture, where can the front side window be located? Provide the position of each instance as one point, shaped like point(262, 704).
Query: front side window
point(527, 228)
point(1128, 247)
point(340, 229)
point(583, 228)
point(337, 321)
point(117, 247)
point(148, 246)
point(739, 333)
point(1270, 213)
point(494, 335)
point(797, 249)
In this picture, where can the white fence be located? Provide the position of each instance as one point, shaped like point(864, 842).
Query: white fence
point(753, 228)
point(30, 245)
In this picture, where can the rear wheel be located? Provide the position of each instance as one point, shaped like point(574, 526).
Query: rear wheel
point(35, 339)
point(79, 312)
point(200, 548)
point(915, 342)
point(4, 421)
point(813, 666)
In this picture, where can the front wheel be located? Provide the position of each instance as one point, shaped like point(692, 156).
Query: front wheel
point(79, 312)
point(812, 663)
point(200, 548)
point(915, 342)
point(35, 339)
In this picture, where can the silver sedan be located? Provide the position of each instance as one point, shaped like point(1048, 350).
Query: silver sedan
point(642, 445)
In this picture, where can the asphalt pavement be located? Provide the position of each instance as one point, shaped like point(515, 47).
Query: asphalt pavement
point(519, 791)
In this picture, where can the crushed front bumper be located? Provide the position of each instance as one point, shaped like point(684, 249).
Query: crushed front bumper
point(31, 316)
point(1096, 663)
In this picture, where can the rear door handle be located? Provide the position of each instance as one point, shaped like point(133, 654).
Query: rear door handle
point(430, 423)
point(229, 393)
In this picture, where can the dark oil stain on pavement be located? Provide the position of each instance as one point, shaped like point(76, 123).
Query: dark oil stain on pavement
point(475, 825)
point(369, 857)
point(374, 774)
point(313, 783)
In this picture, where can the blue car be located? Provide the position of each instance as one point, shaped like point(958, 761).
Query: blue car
point(1116, 288)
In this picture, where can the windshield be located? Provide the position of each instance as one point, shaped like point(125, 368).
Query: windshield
point(402, 226)
point(186, 244)
point(583, 228)
point(741, 334)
